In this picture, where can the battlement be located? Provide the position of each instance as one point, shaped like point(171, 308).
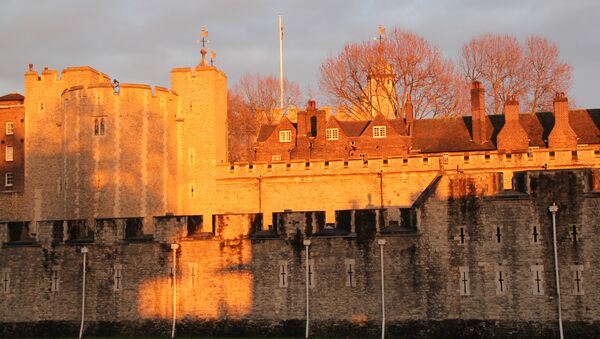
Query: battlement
point(480, 161)
point(125, 89)
point(68, 75)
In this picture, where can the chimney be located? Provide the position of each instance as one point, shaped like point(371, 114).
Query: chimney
point(512, 136)
point(478, 115)
point(408, 109)
point(562, 135)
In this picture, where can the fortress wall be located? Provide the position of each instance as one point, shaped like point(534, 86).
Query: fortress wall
point(235, 281)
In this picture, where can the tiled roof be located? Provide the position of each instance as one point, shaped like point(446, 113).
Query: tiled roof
point(265, 132)
point(12, 97)
point(353, 128)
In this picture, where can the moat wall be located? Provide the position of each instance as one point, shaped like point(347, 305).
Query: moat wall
point(229, 278)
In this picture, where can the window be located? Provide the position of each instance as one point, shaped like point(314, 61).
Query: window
point(577, 279)
point(192, 190)
point(8, 153)
point(10, 128)
point(283, 274)
point(5, 283)
point(99, 126)
point(118, 277)
point(313, 126)
point(193, 273)
point(535, 234)
point(500, 279)
point(462, 235)
point(285, 135)
point(55, 279)
point(8, 179)
point(379, 132)
point(498, 234)
point(332, 133)
point(311, 273)
point(537, 279)
point(465, 288)
point(350, 272)
point(192, 156)
point(275, 157)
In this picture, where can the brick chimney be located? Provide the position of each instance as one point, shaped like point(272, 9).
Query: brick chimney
point(562, 135)
point(410, 118)
point(479, 117)
point(512, 136)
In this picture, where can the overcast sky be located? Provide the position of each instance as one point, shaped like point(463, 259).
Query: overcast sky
point(140, 41)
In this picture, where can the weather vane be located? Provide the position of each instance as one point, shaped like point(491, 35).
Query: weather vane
point(203, 40)
point(213, 57)
point(381, 31)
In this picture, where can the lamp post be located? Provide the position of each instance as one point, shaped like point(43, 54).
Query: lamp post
point(174, 248)
point(307, 243)
point(554, 209)
point(381, 243)
point(84, 251)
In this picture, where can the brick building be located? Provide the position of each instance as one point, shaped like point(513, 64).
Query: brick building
point(451, 213)
point(12, 114)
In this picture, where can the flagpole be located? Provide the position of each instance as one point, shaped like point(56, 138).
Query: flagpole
point(280, 64)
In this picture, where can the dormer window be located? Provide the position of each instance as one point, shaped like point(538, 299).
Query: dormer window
point(332, 133)
point(379, 132)
point(285, 135)
point(10, 128)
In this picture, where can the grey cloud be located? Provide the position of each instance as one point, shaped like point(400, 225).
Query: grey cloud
point(140, 41)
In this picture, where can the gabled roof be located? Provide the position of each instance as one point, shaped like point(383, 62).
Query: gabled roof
point(12, 97)
point(353, 128)
point(265, 132)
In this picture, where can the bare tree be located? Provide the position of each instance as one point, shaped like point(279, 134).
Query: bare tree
point(254, 101)
point(415, 67)
point(497, 61)
point(532, 72)
point(546, 74)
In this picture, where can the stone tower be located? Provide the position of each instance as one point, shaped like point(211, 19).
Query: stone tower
point(200, 135)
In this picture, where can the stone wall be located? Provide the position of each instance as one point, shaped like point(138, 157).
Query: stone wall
point(470, 267)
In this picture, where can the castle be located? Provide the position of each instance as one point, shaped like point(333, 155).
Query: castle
point(444, 224)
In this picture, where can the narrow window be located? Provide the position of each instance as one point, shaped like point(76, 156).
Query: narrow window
point(285, 135)
point(192, 190)
point(535, 234)
point(193, 273)
point(192, 156)
point(350, 272)
point(118, 277)
point(313, 126)
point(464, 282)
point(332, 133)
point(5, 280)
point(462, 236)
point(537, 279)
point(577, 279)
point(9, 153)
point(379, 131)
point(99, 127)
point(55, 280)
point(283, 274)
point(41, 105)
point(575, 233)
point(311, 273)
point(498, 234)
point(10, 128)
point(8, 179)
point(500, 279)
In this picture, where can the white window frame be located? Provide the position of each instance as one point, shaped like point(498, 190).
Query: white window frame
point(9, 179)
point(379, 132)
point(285, 135)
point(332, 133)
point(276, 157)
point(9, 153)
point(9, 128)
